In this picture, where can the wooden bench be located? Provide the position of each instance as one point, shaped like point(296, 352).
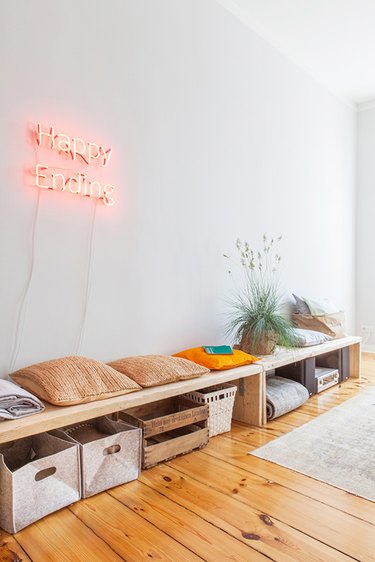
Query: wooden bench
point(249, 408)
point(249, 403)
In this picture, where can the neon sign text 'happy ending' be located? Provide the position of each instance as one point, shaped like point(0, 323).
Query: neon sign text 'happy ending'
point(75, 149)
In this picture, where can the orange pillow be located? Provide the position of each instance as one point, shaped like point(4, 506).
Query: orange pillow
point(217, 362)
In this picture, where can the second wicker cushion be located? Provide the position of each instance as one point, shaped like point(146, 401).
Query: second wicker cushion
point(73, 380)
point(153, 370)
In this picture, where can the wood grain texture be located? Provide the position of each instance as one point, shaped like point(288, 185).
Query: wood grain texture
point(319, 520)
point(10, 549)
point(165, 416)
point(218, 503)
point(249, 405)
point(131, 536)
point(153, 454)
point(62, 537)
point(197, 534)
point(241, 520)
point(355, 360)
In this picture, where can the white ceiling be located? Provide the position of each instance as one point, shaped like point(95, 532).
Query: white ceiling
point(333, 40)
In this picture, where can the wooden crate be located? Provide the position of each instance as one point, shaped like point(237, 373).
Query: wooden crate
point(169, 428)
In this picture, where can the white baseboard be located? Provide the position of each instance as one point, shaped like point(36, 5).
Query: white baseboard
point(368, 348)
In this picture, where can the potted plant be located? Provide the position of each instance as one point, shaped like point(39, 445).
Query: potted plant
point(256, 320)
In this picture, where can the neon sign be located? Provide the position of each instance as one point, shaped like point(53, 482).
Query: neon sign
point(75, 149)
point(89, 152)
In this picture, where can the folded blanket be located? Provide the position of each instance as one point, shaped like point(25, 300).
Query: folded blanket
point(15, 402)
point(283, 395)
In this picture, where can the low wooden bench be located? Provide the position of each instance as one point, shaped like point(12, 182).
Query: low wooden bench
point(248, 408)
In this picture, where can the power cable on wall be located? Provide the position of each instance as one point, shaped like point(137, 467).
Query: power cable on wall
point(21, 316)
point(88, 280)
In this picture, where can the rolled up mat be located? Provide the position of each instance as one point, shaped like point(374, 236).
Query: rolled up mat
point(283, 396)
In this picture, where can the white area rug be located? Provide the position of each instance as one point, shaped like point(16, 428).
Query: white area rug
point(337, 447)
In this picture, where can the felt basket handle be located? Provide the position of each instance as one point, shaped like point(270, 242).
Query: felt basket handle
point(113, 449)
point(45, 473)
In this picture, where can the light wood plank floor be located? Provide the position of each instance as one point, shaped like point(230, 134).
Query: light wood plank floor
point(215, 504)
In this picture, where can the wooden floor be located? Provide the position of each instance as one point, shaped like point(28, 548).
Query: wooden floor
point(215, 504)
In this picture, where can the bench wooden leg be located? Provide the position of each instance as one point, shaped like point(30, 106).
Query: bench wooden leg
point(249, 406)
point(355, 360)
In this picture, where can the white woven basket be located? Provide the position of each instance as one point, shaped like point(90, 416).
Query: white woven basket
point(220, 400)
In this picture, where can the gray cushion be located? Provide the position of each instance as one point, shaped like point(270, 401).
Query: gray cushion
point(301, 305)
point(305, 338)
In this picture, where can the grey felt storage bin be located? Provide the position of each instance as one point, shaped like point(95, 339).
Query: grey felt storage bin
point(38, 475)
point(110, 453)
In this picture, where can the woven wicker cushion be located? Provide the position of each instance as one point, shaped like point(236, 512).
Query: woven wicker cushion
point(73, 380)
point(217, 362)
point(152, 370)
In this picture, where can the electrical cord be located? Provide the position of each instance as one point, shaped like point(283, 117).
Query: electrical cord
point(88, 280)
point(21, 316)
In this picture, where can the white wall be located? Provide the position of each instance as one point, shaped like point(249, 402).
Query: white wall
point(215, 135)
point(365, 266)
